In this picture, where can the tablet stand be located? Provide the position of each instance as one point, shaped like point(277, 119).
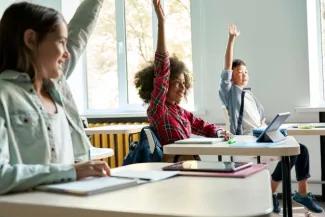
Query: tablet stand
point(273, 136)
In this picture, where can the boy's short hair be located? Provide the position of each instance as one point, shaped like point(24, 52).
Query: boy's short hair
point(237, 62)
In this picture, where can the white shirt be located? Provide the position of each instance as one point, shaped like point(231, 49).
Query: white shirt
point(251, 115)
point(61, 147)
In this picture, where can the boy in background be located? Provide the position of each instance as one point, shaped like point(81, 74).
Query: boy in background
point(246, 112)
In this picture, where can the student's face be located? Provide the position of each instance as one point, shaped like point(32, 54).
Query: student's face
point(240, 76)
point(176, 90)
point(51, 53)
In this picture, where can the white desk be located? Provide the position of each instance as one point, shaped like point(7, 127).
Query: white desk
point(294, 130)
point(174, 197)
point(100, 153)
point(115, 129)
point(286, 148)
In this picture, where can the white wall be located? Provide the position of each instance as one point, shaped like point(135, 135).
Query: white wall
point(273, 42)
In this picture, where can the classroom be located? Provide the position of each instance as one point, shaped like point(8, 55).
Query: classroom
point(85, 83)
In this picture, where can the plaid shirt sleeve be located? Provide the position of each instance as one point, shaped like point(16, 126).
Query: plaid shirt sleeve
point(160, 85)
point(201, 127)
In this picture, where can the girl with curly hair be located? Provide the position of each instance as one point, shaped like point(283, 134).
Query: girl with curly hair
point(163, 85)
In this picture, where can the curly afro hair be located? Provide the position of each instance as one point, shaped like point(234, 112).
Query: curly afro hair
point(143, 79)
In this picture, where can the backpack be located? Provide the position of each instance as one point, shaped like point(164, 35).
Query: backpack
point(148, 149)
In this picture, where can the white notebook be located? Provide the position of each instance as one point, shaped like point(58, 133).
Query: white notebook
point(199, 140)
point(89, 186)
point(147, 175)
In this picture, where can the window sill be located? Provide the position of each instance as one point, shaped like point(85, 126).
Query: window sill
point(116, 115)
point(320, 108)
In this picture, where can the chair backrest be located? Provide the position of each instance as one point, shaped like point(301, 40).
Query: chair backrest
point(226, 117)
point(150, 138)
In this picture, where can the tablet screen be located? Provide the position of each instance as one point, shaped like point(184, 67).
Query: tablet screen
point(209, 166)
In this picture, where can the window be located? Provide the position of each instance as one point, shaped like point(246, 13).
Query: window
point(123, 42)
point(316, 51)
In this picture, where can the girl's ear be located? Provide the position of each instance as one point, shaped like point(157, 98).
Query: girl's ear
point(30, 37)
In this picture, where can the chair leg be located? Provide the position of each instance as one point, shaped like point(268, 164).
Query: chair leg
point(196, 157)
point(176, 158)
point(258, 159)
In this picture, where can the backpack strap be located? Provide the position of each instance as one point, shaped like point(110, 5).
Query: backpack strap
point(241, 111)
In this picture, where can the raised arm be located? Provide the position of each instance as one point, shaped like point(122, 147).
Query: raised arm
point(161, 42)
point(161, 67)
point(80, 28)
point(226, 75)
point(233, 33)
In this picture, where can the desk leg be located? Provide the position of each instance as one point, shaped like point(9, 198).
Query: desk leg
point(322, 153)
point(286, 183)
point(284, 188)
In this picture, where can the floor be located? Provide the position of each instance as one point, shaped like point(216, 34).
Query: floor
point(299, 211)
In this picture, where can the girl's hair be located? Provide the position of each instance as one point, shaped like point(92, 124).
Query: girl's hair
point(237, 62)
point(17, 18)
point(143, 79)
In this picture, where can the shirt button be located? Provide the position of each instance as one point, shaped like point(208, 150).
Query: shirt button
point(48, 128)
point(26, 120)
point(31, 90)
point(52, 149)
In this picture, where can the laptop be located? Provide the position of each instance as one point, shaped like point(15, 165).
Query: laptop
point(272, 132)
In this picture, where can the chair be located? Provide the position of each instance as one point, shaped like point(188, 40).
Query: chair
point(227, 127)
point(226, 117)
point(150, 138)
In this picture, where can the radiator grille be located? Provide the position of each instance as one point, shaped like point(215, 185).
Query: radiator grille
point(118, 142)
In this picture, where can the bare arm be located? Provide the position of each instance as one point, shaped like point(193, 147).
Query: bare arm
point(233, 33)
point(161, 43)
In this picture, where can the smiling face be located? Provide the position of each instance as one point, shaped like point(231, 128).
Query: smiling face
point(177, 89)
point(51, 53)
point(240, 76)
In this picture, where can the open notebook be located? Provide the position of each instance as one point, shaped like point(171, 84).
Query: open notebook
point(89, 186)
point(199, 140)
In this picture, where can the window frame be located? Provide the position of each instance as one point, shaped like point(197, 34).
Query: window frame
point(124, 108)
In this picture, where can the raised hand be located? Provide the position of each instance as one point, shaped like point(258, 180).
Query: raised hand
point(158, 9)
point(233, 33)
point(233, 30)
point(161, 44)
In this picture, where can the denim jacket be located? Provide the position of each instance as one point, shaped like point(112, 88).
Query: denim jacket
point(24, 139)
point(230, 96)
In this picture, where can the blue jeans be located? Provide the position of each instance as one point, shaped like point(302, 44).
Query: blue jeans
point(301, 163)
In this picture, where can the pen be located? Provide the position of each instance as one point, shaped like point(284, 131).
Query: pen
point(89, 157)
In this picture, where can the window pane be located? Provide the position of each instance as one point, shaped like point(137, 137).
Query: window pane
point(178, 29)
point(323, 38)
point(101, 61)
point(138, 18)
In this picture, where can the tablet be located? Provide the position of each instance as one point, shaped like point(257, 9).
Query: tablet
point(208, 166)
point(272, 132)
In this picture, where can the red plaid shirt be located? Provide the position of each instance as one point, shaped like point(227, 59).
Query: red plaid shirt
point(171, 121)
